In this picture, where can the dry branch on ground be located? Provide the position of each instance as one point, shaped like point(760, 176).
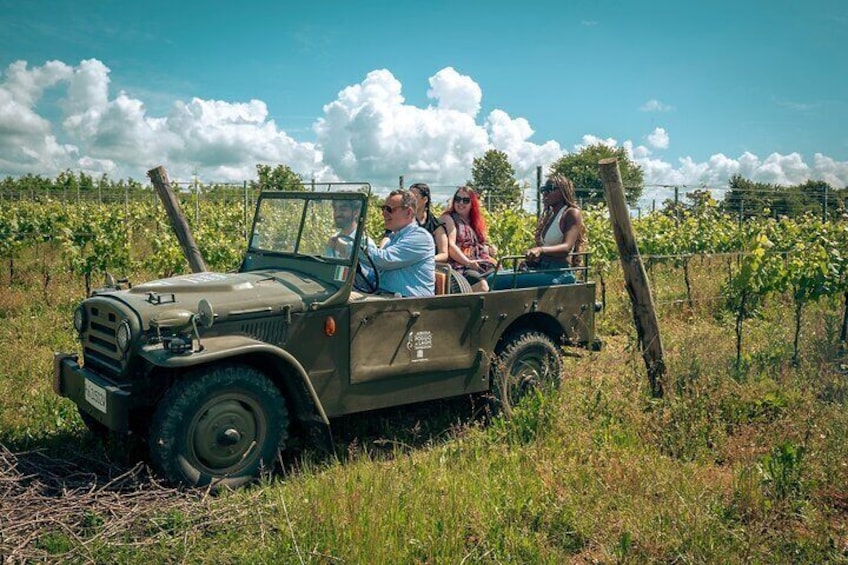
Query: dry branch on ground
point(87, 502)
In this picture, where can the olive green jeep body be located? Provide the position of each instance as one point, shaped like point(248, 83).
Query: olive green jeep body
point(216, 370)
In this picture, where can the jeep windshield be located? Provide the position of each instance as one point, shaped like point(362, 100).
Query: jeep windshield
point(314, 233)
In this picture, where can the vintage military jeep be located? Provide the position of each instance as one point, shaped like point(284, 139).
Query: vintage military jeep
point(218, 370)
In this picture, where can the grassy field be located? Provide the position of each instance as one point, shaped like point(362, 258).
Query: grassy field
point(735, 465)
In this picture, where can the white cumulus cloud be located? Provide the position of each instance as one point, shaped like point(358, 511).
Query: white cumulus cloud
point(655, 105)
point(367, 132)
point(658, 139)
point(454, 91)
point(589, 139)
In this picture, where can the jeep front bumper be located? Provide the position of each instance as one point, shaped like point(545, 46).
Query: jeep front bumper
point(95, 395)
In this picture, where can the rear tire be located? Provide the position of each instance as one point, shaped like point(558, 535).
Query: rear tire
point(528, 361)
point(220, 425)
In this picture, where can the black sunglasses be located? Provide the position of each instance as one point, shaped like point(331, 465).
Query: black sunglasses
point(547, 188)
point(462, 199)
point(391, 209)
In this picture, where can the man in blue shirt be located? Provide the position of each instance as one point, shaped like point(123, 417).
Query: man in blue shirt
point(406, 262)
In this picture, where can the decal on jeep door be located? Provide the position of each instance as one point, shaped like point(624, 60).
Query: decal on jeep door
point(418, 343)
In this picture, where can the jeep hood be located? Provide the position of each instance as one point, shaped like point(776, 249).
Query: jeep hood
point(231, 294)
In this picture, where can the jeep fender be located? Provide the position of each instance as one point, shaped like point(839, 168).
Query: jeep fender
point(247, 350)
point(536, 321)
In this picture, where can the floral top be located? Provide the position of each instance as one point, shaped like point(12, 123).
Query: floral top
point(468, 241)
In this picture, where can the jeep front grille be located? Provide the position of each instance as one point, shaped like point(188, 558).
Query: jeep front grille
point(100, 348)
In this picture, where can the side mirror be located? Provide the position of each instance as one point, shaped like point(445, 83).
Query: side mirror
point(205, 313)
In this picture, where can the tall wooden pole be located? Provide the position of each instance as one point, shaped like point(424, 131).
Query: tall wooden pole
point(635, 278)
point(159, 178)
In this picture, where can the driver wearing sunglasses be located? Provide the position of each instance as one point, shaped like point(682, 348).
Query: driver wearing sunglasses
point(406, 262)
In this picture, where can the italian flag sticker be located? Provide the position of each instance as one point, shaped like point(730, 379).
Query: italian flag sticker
point(341, 273)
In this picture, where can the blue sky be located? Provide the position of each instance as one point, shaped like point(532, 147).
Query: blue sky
point(372, 90)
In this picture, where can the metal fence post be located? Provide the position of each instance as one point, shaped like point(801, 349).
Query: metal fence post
point(244, 208)
point(824, 204)
point(538, 188)
point(196, 202)
point(676, 203)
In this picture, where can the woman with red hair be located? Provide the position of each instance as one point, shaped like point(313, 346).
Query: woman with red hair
point(468, 252)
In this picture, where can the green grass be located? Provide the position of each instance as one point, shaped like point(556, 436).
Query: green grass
point(733, 465)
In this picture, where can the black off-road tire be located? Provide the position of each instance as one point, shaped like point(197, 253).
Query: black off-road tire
point(218, 425)
point(527, 361)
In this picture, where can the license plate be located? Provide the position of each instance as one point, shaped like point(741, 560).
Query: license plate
point(95, 395)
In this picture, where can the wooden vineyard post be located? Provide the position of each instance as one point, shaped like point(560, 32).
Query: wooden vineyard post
point(635, 278)
point(159, 178)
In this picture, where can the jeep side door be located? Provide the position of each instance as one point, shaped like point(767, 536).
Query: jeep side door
point(417, 348)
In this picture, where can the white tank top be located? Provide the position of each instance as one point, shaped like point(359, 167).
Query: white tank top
point(554, 235)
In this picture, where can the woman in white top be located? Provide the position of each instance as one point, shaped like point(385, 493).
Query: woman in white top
point(560, 233)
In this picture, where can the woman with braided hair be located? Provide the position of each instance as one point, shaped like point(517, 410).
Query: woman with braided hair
point(560, 233)
point(560, 238)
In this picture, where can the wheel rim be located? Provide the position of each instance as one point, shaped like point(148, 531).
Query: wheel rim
point(532, 371)
point(227, 433)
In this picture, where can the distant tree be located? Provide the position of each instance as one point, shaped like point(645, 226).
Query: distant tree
point(840, 208)
point(582, 169)
point(86, 182)
point(104, 185)
point(811, 195)
point(280, 177)
point(494, 178)
point(33, 184)
point(748, 198)
point(700, 202)
point(67, 182)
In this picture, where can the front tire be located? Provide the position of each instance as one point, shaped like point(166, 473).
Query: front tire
point(220, 425)
point(528, 361)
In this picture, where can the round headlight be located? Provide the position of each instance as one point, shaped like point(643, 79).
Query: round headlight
point(80, 318)
point(123, 336)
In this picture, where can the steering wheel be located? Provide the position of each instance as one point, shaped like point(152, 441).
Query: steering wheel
point(361, 281)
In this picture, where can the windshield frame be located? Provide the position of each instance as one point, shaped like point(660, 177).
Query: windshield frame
point(335, 271)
